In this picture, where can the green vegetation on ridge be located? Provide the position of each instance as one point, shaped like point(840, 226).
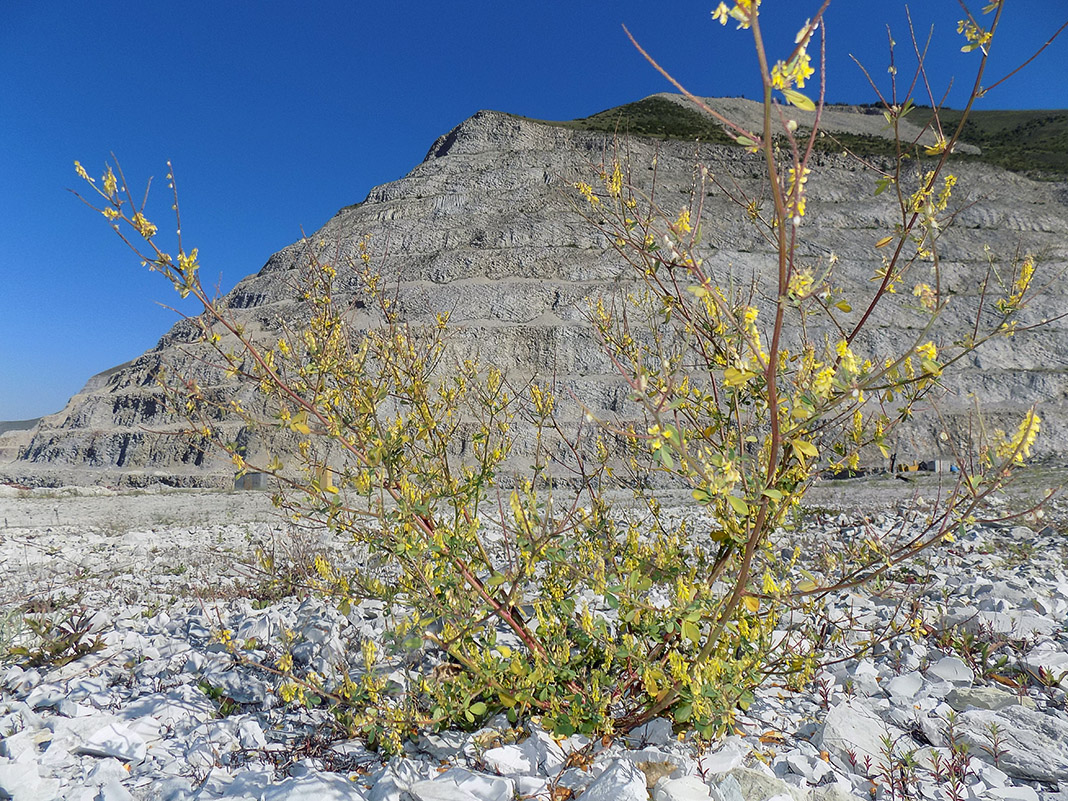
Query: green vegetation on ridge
point(655, 117)
point(1033, 142)
point(1030, 142)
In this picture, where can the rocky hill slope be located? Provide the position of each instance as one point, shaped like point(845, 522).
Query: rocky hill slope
point(484, 228)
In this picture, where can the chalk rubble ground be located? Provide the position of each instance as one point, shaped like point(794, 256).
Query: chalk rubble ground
point(142, 717)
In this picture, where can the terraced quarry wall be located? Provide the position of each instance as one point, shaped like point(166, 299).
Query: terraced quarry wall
point(484, 228)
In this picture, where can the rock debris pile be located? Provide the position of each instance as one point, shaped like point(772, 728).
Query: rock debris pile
point(970, 708)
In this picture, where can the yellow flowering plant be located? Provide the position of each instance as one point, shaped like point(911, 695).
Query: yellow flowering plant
point(750, 385)
point(565, 607)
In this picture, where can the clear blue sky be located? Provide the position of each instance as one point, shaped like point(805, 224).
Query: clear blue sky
point(276, 114)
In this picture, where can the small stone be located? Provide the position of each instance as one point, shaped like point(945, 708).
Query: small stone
point(181, 704)
point(114, 740)
point(730, 755)
point(314, 787)
point(533, 787)
point(26, 745)
point(964, 698)
point(468, 784)
point(658, 731)
point(1047, 663)
point(865, 678)
point(250, 734)
point(622, 781)
point(904, 687)
point(510, 760)
point(114, 791)
point(107, 770)
point(1015, 623)
point(175, 788)
point(395, 779)
point(992, 776)
point(951, 669)
point(655, 764)
point(443, 746)
point(730, 790)
point(1018, 793)
point(239, 687)
point(439, 791)
point(574, 779)
point(548, 753)
point(22, 782)
point(853, 732)
point(757, 786)
point(687, 788)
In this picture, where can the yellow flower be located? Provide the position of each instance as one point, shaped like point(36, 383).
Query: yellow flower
point(587, 192)
point(614, 184)
point(976, 37)
point(926, 295)
point(848, 359)
point(143, 226)
point(743, 11)
point(110, 184)
point(794, 72)
point(927, 350)
point(796, 189)
point(682, 224)
point(1019, 447)
point(801, 284)
point(939, 146)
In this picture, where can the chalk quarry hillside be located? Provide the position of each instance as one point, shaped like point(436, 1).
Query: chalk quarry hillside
point(486, 229)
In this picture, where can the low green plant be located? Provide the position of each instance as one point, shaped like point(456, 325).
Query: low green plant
point(953, 772)
point(224, 703)
point(11, 627)
point(511, 594)
point(58, 635)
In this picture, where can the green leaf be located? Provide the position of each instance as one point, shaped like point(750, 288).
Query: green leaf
point(735, 377)
point(664, 455)
point(774, 494)
point(478, 709)
point(745, 700)
point(739, 504)
point(495, 580)
point(691, 632)
point(843, 306)
point(795, 98)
